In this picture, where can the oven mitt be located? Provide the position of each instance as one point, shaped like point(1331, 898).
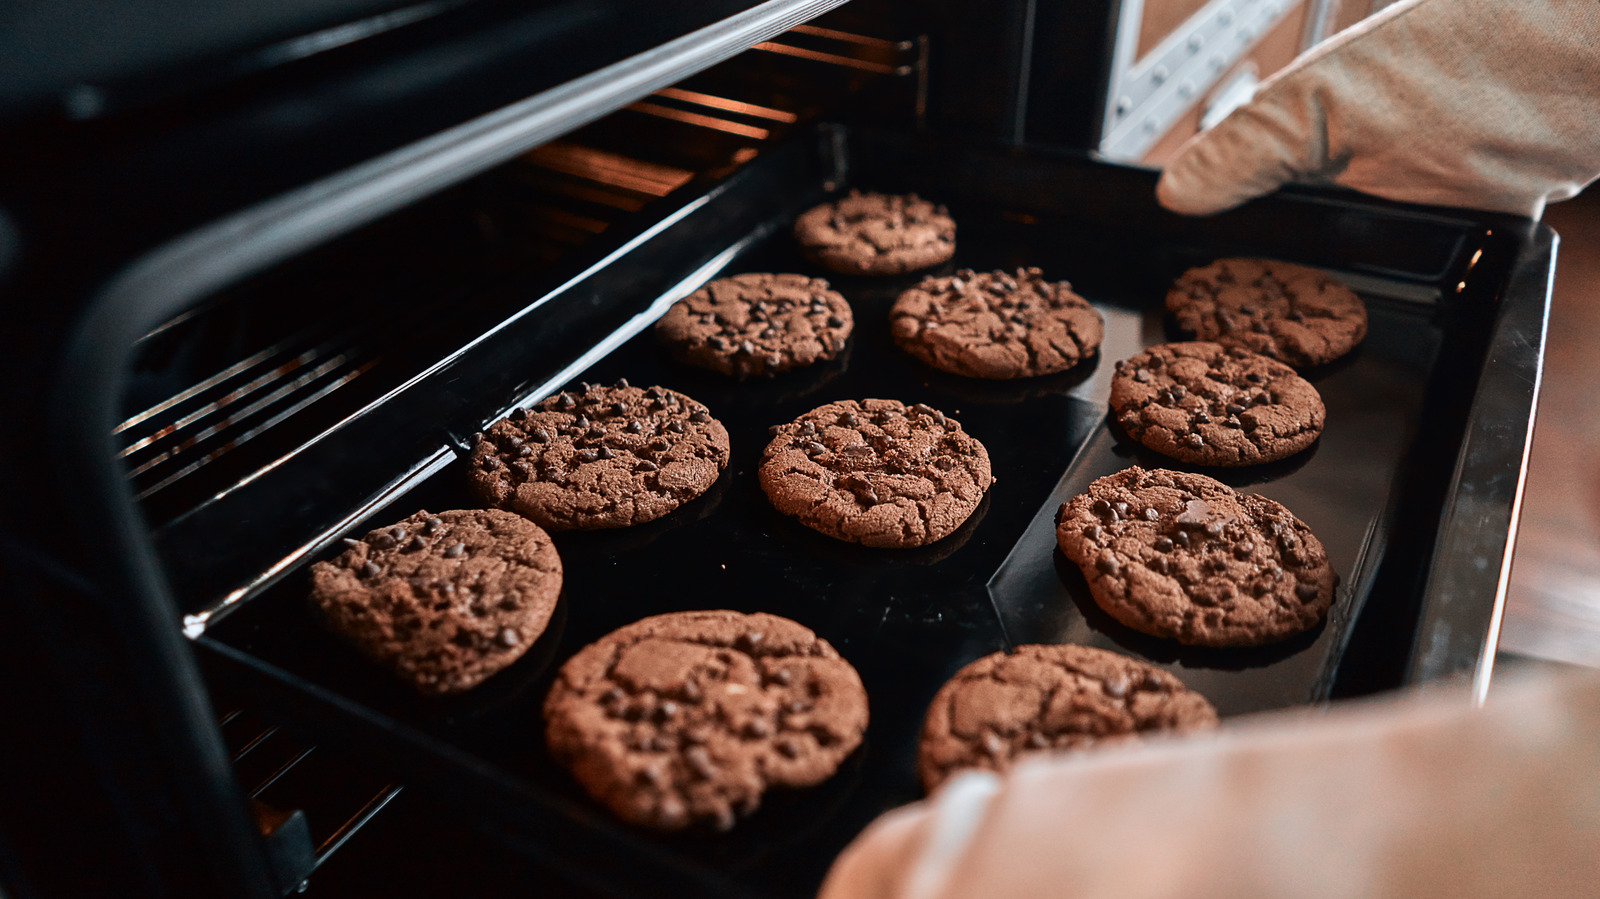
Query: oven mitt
point(1486, 104)
point(1412, 797)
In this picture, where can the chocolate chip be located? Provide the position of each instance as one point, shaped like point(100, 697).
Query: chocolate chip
point(351, 542)
point(565, 401)
point(603, 452)
point(382, 541)
point(622, 383)
point(1305, 592)
point(1196, 513)
point(1100, 507)
point(1233, 422)
point(416, 543)
point(635, 427)
point(675, 427)
point(1179, 391)
point(524, 451)
point(700, 416)
point(1151, 514)
point(815, 447)
point(1181, 538)
point(1116, 687)
point(540, 436)
point(432, 526)
point(1122, 509)
point(835, 321)
point(508, 637)
point(619, 409)
point(646, 466)
point(1108, 564)
point(370, 570)
point(589, 455)
point(1163, 544)
point(666, 710)
point(1235, 408)
point(756, 729)
point(698, 758)
point(1201, 418)
point(847, 420)
point(1143, 376)
point(1195, 440)
point(1092, 532)
point(455, 550)
point(1243, 550)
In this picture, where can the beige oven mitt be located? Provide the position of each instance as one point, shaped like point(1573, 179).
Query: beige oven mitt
point(1485, 104)
point(1413, 797)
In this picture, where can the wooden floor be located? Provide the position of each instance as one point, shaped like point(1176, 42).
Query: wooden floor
point(1553, 606)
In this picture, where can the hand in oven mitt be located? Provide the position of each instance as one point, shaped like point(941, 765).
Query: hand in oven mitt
point(1485, 104)
point(1409, 798)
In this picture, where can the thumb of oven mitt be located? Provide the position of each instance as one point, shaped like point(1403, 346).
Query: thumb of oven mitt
point(1413, 797)
point(1485, 104)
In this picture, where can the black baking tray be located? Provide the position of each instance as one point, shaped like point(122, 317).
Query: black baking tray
point(1382, 488)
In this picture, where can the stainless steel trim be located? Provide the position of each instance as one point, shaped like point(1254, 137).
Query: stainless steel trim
point(1317, 23)
point(1149, 94)
point(1458, 625)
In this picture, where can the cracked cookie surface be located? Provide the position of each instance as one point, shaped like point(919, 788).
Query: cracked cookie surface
point(443, 600)
point(757, 324)
point(995, 324)
point(1208, 404)
point(600, 457)
point(876, 472)
point(1292, 313)
point(689, 717)
point(876, 234)
point(1183, 556)
point(1049, 698)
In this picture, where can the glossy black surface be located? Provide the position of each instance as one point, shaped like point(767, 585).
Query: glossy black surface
point(906, 619)
point(1341, 486)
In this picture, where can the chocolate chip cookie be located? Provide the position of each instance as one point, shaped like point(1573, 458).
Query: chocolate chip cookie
point(876, 234)
point(996, 325)
point(757, 324)
point(875, 472)
point(1048, 698)
point(690, 717)
point(1292, 313)
point(600, 457)
point(1213, 405)
point(443, 600)
point(1185, 557)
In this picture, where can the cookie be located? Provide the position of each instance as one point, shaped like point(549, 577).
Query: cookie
point(876, 234)
point(1292, 313)
point(1183, 556)
point(442, 600)
point(1049, 698)
point(757, 324)
point(1208, 404)
point(996, 325)
point(600, 457)
point(689, 717)
point(875, 472)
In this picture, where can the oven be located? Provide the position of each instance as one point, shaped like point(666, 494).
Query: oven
point(262, 300)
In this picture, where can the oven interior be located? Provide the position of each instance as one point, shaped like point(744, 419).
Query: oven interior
point(338, 390)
